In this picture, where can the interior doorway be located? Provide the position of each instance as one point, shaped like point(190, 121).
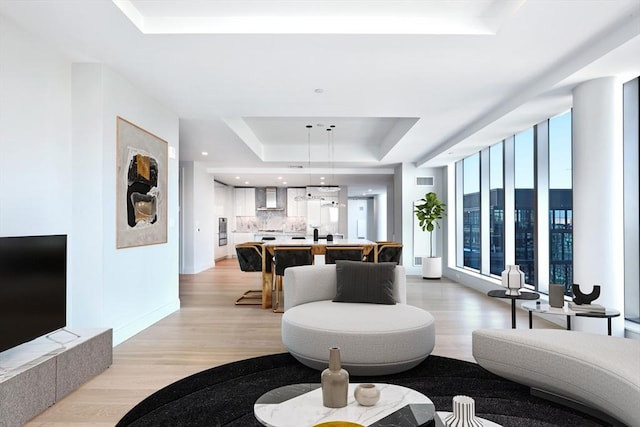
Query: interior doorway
point(361, 223)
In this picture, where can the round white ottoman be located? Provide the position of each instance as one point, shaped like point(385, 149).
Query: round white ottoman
point(374, 339)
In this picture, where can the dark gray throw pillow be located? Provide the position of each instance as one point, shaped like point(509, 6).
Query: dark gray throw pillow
point(365, 282)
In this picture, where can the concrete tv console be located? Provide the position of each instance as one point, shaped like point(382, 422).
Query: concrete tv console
point(35, 375)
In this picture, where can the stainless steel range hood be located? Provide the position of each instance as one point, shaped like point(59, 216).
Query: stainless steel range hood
point(271, 203)
point(272, 198)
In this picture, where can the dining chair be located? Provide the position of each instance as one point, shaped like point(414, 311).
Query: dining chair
point(283, 258)
point(350, 253)
point(387, 252)
point(250, 256)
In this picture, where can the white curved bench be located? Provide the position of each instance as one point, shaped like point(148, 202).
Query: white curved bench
point(598, 371)
point(375, 339)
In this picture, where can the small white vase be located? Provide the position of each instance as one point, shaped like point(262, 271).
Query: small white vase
point(513, 280)
point(464, 413)
point(367, 394)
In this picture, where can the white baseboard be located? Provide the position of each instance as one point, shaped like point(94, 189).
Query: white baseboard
point(123, 333)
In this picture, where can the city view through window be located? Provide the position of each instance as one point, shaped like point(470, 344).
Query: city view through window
point(516, 166)
point(525, 168)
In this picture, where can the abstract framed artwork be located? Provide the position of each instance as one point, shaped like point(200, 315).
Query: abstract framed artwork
point(141, 186)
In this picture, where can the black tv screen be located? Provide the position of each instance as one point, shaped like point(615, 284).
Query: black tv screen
point(33, 287)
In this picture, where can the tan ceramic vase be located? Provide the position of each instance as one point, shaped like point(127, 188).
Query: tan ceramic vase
point(335, 382)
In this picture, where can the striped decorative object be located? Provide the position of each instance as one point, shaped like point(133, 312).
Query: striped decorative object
point(464, 413)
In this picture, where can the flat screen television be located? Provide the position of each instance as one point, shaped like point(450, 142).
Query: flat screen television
point(33, 287)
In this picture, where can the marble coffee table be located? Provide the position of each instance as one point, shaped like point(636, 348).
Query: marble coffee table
point(300, 405)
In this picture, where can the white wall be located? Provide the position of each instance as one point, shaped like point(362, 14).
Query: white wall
point(35, 136)
point(223, 201)
point(199, 223)
point(357, 213)
point(126, 289)
point(415, 241)
point(380, 206)
point(57, 175)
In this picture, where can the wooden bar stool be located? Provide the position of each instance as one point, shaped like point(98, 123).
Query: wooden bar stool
point(283, 258)
point(250, 259)
point(388, 252)
point(349, 253)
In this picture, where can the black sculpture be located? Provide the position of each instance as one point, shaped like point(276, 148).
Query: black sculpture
point(581, 298)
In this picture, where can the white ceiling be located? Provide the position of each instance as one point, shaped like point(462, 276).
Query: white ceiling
point(422, 82)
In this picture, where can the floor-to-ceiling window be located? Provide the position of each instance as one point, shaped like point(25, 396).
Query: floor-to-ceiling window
point(560, 202)
point(496, 208)
point(471, 211)
point(528, 171)
point(525, 204)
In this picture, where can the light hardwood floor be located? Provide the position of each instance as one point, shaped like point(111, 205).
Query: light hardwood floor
point(209, 330)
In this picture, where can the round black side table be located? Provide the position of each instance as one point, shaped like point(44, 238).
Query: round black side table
point(502, 293)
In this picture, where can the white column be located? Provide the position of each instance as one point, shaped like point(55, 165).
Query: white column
point(598, 196)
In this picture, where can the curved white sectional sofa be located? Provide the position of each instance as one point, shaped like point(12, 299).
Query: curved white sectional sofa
point(375, 339)
point(597, 371)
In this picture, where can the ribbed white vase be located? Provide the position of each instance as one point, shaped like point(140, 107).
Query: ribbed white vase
point(512, 279)
point(464, 413)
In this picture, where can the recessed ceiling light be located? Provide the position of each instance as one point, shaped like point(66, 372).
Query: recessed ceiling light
point(369, 190)
point(279, 177)
point(204, 153)
point(321, 178)
point(284, 182)
point(246, 182)
point(237, 177)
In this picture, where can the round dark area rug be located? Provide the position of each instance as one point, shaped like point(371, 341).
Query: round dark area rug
point(224, 396)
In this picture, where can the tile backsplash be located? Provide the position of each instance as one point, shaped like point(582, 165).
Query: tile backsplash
point(271, 221)
point(246, 223)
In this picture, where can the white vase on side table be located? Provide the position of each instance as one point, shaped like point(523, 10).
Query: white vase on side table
point(513, 280)
point(432, 267)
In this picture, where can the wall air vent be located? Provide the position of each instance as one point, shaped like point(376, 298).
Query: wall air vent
point(417, 260)
point(424, 180)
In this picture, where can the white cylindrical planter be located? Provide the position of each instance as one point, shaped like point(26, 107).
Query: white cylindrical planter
point(432, 267)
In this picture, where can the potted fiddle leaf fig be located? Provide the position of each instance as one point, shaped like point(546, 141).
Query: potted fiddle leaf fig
point(429, 211)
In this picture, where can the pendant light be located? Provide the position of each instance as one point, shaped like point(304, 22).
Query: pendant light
point(330, 145)
point(308, 196)
point(331, 188)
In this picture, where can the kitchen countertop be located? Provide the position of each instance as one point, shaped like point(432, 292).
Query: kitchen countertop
point(271, 232)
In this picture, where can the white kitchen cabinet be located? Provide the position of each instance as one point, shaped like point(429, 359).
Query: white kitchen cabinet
point(239, 201)
point(250, 201)
point(294, 207)
point(245, 201)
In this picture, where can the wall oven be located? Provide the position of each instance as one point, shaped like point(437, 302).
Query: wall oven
point(222, 232)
